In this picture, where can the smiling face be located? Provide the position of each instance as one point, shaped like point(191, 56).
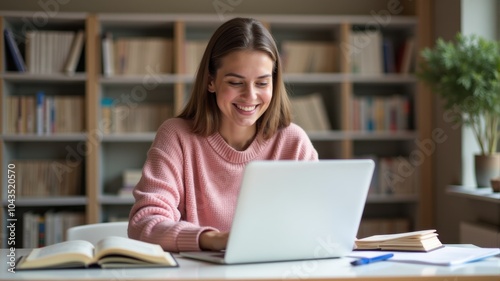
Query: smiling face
point(243, 87)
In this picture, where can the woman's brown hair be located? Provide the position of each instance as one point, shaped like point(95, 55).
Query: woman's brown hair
point(236, 35)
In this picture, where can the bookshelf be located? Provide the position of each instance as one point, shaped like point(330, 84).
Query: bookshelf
point(107, 152)
point(42, 152)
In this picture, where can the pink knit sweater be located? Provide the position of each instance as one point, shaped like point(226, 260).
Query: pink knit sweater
point(190, 183)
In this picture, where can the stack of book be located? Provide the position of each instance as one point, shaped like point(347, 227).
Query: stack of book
point(130, 179)
point(421, 241)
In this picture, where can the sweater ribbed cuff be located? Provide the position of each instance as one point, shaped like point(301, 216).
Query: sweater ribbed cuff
point(188, 238)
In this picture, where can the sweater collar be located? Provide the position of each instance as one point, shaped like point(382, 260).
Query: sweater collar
point(232, 155)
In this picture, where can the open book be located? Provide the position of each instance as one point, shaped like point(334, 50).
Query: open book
point(421, 241)
point(110, 252)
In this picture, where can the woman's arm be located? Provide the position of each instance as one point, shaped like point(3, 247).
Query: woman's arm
point(156, 214)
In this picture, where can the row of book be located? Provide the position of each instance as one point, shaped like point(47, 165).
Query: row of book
point(393, 176)
point(49, 52)
point(371, 53)
point(381, 113)
point(309, 56)
point(136, 55)
point(44, 178)
point(45, 52)
point(194, 52)
point(309, 112)
point(375, 226)
point(297, 56)
point(44, 114)
point(144, 117)
point(40, 230)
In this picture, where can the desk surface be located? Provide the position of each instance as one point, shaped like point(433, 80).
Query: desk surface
point(330, 269)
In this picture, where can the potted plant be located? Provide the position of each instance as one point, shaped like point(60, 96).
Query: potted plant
point(466, 75)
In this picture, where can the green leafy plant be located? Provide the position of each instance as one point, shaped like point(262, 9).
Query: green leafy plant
point(466, 74)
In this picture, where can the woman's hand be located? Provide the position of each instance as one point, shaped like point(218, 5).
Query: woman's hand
point(213, 240)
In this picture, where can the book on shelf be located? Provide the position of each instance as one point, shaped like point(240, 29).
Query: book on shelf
point(14, 51)
point(420, 241)
point(366, 51)
point(46, 177)
point(41, 114)
point(389, 55)
point(48, 228)
point(396, 176)
point(141, 55)
point(405, 55)
point(110, 252)
point(194, 50)
point(52, 51)
point(381, 113)
point(372, 53)
point(108, 54)
point(144, 117)
point(309, 112)
point(40, 100)
point(74, 53)
point(309, 56)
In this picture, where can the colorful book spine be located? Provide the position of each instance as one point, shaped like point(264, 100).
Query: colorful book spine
point(40, 100)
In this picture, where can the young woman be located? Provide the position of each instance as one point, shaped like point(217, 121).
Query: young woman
point(238, 112)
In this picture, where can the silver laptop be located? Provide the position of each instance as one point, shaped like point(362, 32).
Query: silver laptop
point(295, 210)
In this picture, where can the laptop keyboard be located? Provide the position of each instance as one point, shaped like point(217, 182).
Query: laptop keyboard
point(218, 255)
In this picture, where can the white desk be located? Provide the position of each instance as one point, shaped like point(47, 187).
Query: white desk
point(331, 269)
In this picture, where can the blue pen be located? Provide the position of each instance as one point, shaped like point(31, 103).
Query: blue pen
point(362, 261)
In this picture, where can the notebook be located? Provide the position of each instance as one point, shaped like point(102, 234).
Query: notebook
point(295, 210)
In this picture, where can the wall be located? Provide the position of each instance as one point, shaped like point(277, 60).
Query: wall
point(448, 160)
point(480, 20)
point(205, 6)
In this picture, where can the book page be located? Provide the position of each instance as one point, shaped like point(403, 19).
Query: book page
point(77, 246)
point(74, 253)
point(115, 245)
point(385, 237)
